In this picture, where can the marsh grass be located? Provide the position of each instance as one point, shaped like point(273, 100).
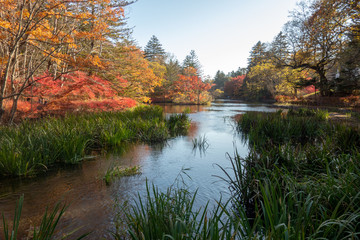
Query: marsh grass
point(172, 215)
point(32, 147)
point(307, 112)
point(284, 203)
point(178, 124)
point(297, 126)
point(298, 184)
point(200, 143)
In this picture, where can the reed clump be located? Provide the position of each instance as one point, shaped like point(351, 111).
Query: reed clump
point(178, 124)
point(200, 143)
point(31, 147)
point(172, 215)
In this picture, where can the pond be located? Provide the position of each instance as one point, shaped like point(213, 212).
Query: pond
point(93, 204)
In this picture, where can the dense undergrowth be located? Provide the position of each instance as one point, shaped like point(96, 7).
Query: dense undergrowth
point(34, 146)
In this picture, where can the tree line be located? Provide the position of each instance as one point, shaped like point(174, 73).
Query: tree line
point(318, 50)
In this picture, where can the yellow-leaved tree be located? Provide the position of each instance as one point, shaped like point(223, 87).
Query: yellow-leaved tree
point(53, 37)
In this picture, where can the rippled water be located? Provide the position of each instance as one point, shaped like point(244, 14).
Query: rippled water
point(91, 202)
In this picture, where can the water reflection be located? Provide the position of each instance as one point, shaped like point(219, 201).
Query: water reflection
point(92, 202)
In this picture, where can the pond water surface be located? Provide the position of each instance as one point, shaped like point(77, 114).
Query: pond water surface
point(92, 204)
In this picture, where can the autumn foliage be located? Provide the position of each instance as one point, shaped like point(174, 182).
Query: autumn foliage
point(233, 87)
point(74, 86)
point(132, 74)
point(47, 47)
point(190, 88)
point(73, 92)
point(58, 56)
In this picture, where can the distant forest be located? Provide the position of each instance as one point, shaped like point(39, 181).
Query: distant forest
point(317, 50)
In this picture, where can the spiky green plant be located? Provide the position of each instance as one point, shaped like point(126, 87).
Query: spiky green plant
point(172, 215)
point(178, 124)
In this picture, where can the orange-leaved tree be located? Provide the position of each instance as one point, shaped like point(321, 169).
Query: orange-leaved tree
point(190, 88)
point(53, 36)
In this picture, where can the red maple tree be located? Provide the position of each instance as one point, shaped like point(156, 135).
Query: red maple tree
point(233, 87)
point(189, 88)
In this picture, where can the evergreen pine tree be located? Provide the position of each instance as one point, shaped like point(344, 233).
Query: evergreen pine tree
point(257, 54)
point(154, 51)
point(220, 79)
point(192, 60)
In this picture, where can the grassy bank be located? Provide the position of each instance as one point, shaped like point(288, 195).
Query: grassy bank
point(30, 147)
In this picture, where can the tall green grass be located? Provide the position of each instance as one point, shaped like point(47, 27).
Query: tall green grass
point(178, 124)
point(35, 146)
point(297, 126)
point(301, 179)
point(172, 215)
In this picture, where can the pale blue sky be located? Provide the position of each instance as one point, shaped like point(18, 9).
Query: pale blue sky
point(222, 33)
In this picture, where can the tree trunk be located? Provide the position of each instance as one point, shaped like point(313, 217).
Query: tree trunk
point(3, 79)
point(324, 84)
point(198, 97)
point(13, 109)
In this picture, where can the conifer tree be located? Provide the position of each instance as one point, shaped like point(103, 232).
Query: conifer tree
point(192, 61)
point(257, 54)
point(154, 51)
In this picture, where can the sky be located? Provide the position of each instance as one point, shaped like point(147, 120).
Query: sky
point(222, 33)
